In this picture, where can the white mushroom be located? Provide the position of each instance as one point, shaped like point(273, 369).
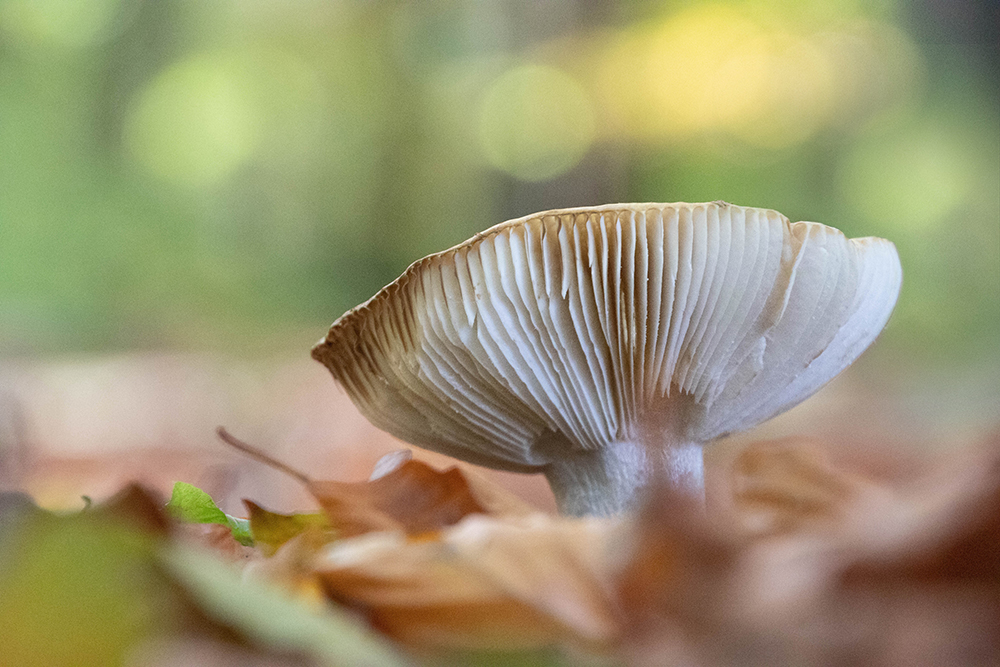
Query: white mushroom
point(601, 346)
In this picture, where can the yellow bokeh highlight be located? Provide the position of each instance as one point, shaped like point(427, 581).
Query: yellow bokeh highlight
point(705, 68)
point(535, 122)
point(716, 69)
point(196, 122)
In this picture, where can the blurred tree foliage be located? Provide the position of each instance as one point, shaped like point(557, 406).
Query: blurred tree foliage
point(184, 174)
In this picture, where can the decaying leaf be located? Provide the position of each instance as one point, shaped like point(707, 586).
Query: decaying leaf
point(486, 582)
point(218, 539)
point(270, 530)
point(790, 485)
point(401, 494)
point(816, 565)
point(137, 506)
point(856, 574)
point(801, 563)
point(412, 497)
point(290, 567)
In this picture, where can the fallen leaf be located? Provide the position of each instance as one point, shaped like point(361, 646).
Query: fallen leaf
point(843, 571)
point(217, 538)
point(80, 589)
point(390, 462)
point(495, 499)
point(270, 530)
point(191, 504)
point(290, 567)
point(487, 582)
point(412, 497)
point(268, 616)
point(136, 506)
point(790, 485)
point(105, 587)
point(674, 583)
point(926, 589)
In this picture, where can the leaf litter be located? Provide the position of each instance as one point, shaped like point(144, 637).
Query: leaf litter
point(800, 561)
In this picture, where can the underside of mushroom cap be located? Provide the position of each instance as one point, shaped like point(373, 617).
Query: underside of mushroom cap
point(587, 326)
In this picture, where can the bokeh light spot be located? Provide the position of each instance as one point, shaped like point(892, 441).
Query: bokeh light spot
point(909, 182)
point(536, 122)
point(796, 98)
point(713, 70)
point(705, 68)
point(196, 122)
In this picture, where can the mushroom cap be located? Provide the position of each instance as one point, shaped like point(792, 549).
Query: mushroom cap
point(586, 326)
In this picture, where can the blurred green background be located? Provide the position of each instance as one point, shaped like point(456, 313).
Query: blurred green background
point(233, 175)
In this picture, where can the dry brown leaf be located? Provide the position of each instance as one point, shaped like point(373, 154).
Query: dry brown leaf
point(291, 567)
point(139, 507)
point(811, 564)
point(675, 582)
point(219, 539)
point(410, 496)
point(494, 498)
point(790, 485)
point(500, 583)
point(844, 571)
point(927, 590)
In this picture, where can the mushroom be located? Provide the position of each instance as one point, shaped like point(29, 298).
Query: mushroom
point(606, 346)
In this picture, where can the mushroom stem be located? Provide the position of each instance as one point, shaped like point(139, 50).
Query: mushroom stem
point(608, 481)
point(684, 466)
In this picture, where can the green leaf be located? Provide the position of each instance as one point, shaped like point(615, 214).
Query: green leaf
point(330, 636)
point(80, 589)
point(241, 530)
point(191, 504)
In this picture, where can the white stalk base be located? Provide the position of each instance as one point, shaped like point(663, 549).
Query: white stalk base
point(609, 481)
